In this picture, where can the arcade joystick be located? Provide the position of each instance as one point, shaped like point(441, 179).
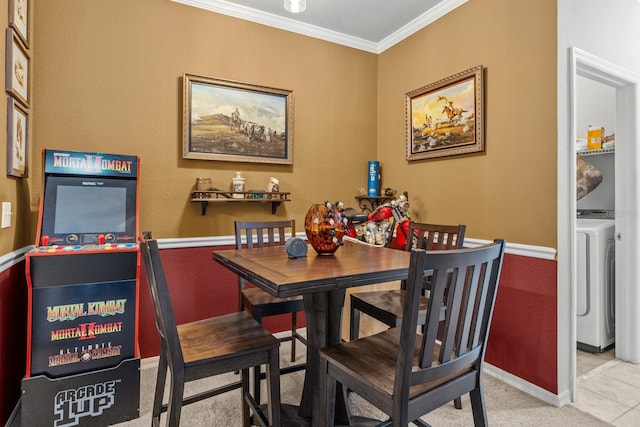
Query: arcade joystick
point(101, 239)
point(45, 240)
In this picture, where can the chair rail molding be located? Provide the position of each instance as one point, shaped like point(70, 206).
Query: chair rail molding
point(541, 252)
point(531, 251)
point(12, 258)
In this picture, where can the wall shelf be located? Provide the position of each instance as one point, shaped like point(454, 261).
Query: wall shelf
point(206, 197)
point(596, 152)
point(369, 203)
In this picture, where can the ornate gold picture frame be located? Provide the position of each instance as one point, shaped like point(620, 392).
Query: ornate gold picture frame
point(445, 118)
point(238, 122)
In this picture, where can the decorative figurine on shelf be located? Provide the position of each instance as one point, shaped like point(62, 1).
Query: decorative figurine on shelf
point(387, 225)
point(273, 186)
point(237, 185)
point(203, 184)
point(390, 192)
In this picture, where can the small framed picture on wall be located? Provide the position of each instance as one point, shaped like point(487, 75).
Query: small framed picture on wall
point(19, 19)
point(17, 139)
point(17, 69)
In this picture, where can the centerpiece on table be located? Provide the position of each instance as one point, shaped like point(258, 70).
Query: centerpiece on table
point(324, 225)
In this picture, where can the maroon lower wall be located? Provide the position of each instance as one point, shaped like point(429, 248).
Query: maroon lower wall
point(199, 288)
point(13, 336)
point(523, 336)
point(523, 339)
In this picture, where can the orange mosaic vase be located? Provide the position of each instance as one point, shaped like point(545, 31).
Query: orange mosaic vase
point(324, 227)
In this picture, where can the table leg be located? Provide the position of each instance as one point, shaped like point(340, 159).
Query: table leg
point(323, 314)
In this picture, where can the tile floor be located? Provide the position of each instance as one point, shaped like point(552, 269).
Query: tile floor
point(608, 389)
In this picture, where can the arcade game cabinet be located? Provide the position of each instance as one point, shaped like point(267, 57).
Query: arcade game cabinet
point(83, 362)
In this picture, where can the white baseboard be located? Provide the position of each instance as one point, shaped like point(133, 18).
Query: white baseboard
point(512, 380)
point(527, 387)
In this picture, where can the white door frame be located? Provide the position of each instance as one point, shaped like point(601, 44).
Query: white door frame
point(627, 291)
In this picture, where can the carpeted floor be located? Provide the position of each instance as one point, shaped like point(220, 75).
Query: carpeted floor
point(506, 405)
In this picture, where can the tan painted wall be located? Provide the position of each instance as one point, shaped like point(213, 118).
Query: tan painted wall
point(108, 77)
point(106, 80)
point(14, 190)
point(510, 190)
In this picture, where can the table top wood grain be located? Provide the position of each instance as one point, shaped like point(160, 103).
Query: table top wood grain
point(351, 265)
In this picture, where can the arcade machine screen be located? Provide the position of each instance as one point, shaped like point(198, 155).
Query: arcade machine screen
point(83, 208)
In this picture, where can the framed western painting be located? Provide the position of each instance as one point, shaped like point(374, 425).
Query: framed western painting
point(445, 118)
point(17, 139)
point(17, 68)
point(238, 122)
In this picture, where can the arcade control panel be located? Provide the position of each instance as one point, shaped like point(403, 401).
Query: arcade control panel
point(101, 245)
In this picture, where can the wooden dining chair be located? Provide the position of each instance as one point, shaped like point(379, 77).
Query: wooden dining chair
point(260, 304)
point(205, 348)
point(407, 375)
point(387, 306)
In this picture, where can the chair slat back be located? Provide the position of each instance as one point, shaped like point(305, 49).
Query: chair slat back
point(435, 237)
point(469, 279)
point(165, 320)
point(256, 231)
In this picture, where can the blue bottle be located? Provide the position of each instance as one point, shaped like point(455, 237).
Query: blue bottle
point(374, 179)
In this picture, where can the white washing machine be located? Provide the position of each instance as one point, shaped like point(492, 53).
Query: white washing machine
point(595, 284)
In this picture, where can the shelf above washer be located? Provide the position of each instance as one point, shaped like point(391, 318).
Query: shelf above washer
point(596, 152)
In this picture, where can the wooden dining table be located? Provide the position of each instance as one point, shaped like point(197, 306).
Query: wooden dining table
point(322, 280)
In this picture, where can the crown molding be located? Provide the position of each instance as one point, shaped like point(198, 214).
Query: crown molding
point(287, 24)
point(419, 23)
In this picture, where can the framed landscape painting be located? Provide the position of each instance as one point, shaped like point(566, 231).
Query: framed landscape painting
point(445, 118)
point(237, 122)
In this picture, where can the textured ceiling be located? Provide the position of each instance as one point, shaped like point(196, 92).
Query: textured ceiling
point(371, 25)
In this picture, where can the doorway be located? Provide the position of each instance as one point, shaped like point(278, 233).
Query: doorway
point(627, 236)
